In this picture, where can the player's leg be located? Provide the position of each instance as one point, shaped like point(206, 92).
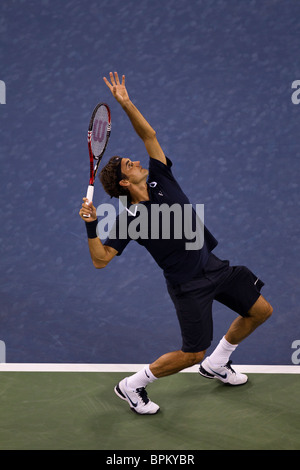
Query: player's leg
point(194, 313)
point(240, 291)
point(217, 365)
point(133, 388)
point(242, 327)
point(174, 362)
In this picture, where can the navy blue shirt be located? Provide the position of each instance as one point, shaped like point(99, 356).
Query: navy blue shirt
point(178, 263)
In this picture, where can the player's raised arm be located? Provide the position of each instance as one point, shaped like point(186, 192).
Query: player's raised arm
point(140, 124)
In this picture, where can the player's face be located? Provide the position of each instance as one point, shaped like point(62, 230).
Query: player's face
point(133, 170)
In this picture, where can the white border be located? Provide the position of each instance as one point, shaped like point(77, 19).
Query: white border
point(42, 367)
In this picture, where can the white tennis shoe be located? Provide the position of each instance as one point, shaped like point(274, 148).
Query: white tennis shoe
point(137, 399)
point(225, 373)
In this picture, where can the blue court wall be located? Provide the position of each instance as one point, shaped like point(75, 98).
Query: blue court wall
point(214, 78)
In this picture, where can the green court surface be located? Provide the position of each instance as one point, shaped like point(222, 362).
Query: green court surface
point(80, 411)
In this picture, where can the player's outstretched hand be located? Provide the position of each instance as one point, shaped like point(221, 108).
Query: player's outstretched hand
point(88, 210)
point(118, 89)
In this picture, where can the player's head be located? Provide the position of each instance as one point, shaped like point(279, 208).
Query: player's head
point(120, 174)
point(111, 175)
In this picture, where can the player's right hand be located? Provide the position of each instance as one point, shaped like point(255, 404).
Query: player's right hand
point(88, 211)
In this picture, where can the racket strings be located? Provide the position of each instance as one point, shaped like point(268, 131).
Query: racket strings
point(99, 131)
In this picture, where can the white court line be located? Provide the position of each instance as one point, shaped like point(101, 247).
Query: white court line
point(43, 367)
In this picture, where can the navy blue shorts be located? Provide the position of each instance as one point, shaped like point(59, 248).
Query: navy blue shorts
point(234, 286)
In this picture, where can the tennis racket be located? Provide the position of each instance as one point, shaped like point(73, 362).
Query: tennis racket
point(98, 136)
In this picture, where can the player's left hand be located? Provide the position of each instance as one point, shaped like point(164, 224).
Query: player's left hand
point(117, 89)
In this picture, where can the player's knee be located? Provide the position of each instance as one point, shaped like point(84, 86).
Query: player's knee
point(261, 311)
point(269, 311)
point(266, 312)
point(194, 358)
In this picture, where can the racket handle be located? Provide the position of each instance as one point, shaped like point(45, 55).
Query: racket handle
point(90, 193)
point(89, 196)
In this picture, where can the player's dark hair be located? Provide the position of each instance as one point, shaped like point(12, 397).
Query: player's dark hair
point(110, 177)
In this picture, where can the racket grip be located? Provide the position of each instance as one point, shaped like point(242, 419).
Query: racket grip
point(89, 196)
point(90, 193)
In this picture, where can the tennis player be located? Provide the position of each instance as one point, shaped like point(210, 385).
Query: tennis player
point(194, 278)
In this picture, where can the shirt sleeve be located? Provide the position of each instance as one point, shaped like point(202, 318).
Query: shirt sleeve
point(162, 173)
point(118, 239)
point(159, 169)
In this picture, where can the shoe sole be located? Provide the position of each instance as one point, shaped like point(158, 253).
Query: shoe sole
point(207, 375)
point(119, 393)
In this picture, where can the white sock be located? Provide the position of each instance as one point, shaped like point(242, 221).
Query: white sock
point(141, 378)
point(220, 356)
